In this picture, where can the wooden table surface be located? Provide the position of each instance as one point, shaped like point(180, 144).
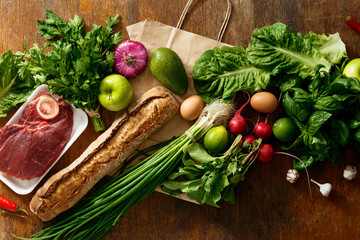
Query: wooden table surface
point(267, 206)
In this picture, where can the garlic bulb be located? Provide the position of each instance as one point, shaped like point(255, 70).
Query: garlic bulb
point(325, 188)
point(292, 175)
point(350, 172)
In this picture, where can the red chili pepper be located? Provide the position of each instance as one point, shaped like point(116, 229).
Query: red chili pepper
point(7, 204)
point(11, 207)
point(352, 22)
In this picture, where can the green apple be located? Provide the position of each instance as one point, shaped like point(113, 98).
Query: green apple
point(115, 92)
point(352, 69)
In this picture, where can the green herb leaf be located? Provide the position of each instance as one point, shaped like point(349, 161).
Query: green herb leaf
point(16, 82)
point(77, 62)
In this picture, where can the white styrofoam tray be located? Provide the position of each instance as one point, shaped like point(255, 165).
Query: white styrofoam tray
point(80, 122)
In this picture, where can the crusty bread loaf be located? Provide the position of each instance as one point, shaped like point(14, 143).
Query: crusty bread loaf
point(106, 154)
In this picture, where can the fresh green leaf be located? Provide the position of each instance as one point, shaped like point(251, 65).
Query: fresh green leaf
point(331, 47)
point(340, 132)
point(284, 82)
point(76, 62)
point(316, 120)
point(222, 72)
point(53, 26)
point(16, 83)
point(298, 106)
point(277, 50)
point(199, 154)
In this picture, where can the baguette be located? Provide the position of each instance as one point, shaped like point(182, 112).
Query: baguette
point(106, 154)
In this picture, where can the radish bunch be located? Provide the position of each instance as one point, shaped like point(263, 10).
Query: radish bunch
point(263, 102)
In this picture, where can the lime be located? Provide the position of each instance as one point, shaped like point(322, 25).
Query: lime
point(285, 130)
point(216, 139)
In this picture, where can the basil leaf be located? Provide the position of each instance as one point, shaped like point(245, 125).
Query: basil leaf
point(340, 132)
point(316, 120)
point(299, 106)
point(307, 160)
point(329, 104)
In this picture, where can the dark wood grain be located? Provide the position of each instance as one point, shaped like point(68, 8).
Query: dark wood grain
point(267, 207)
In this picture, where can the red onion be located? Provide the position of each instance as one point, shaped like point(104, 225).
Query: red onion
point(131, 58)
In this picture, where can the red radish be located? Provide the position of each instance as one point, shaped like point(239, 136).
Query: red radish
point(249, 139)
point(47, 107)
point(263, 130)
point(266, 153)
point(131, 58)
point(238, 124)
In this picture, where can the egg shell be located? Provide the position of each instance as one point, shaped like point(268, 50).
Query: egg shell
point(264, 102)
point(191, 107)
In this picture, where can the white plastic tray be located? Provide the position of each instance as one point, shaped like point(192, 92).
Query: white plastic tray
point(80, 120)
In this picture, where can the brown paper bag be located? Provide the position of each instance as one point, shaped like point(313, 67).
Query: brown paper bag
point(187, 45)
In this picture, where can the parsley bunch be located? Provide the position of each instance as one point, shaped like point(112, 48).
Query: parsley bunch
point(73, 62)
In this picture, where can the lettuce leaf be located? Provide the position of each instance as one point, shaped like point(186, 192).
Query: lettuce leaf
point(331, 47)
point(221, 72)
point(16, 83)
point(278, 50)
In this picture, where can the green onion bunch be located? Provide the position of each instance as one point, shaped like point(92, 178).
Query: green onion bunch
point(94, 216)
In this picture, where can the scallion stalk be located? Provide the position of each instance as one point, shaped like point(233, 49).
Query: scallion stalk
point(98, 123)
point(94, 216)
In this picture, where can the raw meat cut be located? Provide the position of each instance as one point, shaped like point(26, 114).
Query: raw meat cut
point(30, 147)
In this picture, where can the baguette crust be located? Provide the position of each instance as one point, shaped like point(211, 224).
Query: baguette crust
point(106, 154)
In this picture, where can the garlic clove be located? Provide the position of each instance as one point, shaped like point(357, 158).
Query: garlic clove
point(350, 172)
point(292, 175)
point(325, 188)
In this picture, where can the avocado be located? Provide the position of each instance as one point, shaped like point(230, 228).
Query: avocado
point(168, 69)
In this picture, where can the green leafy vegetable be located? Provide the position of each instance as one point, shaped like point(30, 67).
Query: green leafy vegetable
point(323, 115)
point(76, 62)
point(331, 47)
point(222, 72)
point(277, 49)
point(215, 177)
point(275, 56)
point(94, 216)
point(16, 83)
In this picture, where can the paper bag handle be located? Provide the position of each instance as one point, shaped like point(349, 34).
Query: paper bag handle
point(223, 26)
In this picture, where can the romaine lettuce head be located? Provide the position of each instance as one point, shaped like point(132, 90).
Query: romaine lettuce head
point(222, 72)
point(277, 49)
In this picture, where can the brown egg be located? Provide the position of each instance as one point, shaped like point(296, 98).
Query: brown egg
point(191, 107)
point(264, 102)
